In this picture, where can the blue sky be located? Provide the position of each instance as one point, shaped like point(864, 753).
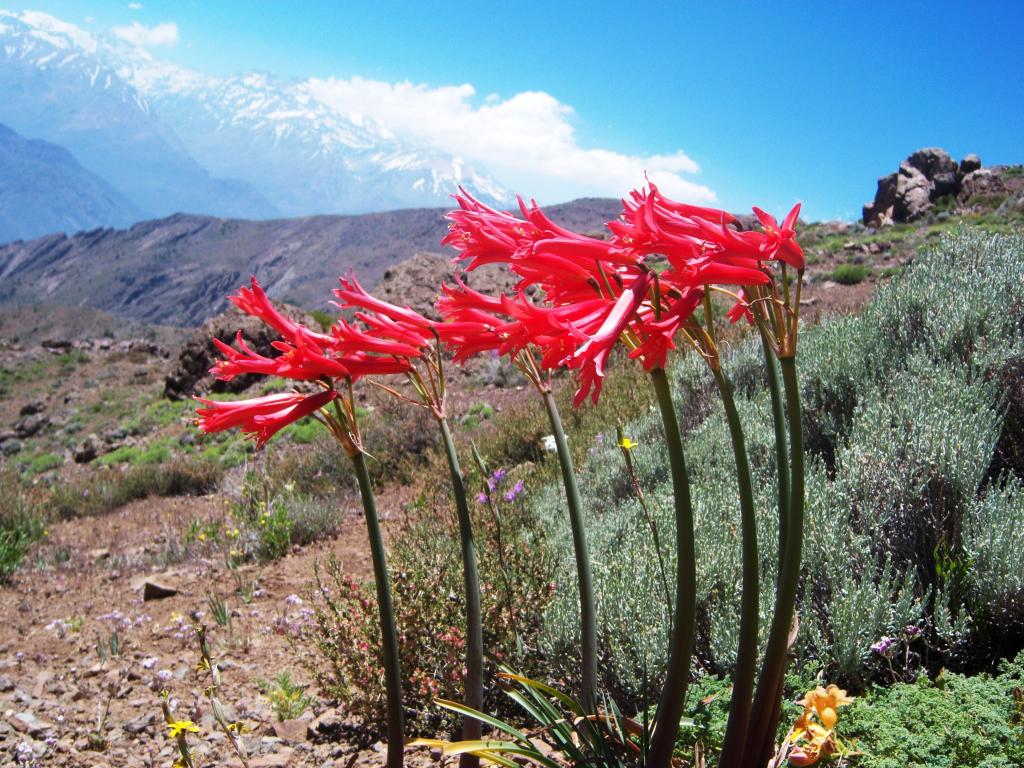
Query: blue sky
point(774, 103)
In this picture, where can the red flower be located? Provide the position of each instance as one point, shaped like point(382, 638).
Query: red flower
point(741, 309)
point(352, 294)
point(253, 301)
point(261, 417)
point(302, 361)
point(781, 242)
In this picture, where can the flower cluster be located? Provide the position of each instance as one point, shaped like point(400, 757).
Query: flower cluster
point(641, 285)
point(813, 735)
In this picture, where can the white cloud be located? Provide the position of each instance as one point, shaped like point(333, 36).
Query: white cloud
point(528, 140)
point(141, 36)
point(135, 6)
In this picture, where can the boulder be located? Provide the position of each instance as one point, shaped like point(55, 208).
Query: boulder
point(980, 183)
point(880, 211)
point(932, 161)
point(969, 164)
point(87, 450)
point(944, 184)
point(913, 193)
point(27, 426)
point(191, 373)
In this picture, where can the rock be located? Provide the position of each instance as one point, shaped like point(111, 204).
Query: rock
point(969, 164)
point(87, 450)
point(157, 590)
point(292, 730)
point(932, 162)
point(56, 345)
point(10, 447)
point(328, 725)
point(275, 760)
point(912, 194)
point(29, 409)
point(26, 722)
point(943, 184)
point(880, 211)
point(6, 684)
point(981, 183)
point(191, 375)
point(28, 426)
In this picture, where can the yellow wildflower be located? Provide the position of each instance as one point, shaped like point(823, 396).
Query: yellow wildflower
point(627, 445)
point(179, 727)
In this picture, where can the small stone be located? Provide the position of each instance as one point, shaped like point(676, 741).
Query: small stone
point(292, 730)
point(156, 590)
point(274, 760)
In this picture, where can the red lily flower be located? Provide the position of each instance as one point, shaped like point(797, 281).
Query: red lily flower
point(253, 301)
point(781, 242)
point(261, 417)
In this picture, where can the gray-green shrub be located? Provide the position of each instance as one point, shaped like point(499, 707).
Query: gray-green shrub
point(904, 406)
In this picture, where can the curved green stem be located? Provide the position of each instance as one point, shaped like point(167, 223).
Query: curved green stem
point(588, 613)
point(765, 713)
point(474, 696)
point(746, 653)
point(781, 442)
point(388, 630)
point(677, 678)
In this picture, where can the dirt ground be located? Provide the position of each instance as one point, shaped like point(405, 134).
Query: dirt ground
point(54, 685)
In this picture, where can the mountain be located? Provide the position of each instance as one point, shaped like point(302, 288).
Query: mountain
point(44, 189)
point(175, 140)
point(311, 159)
point(178, 270)
point(55, 85)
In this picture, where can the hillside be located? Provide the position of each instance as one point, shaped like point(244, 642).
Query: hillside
point(43, 189)
point(177, 271)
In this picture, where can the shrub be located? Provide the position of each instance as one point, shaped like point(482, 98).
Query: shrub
point(113, 487)
point(850, 274)
point(273, 517)
point(21, 521)
point(908, 422)
point(341, 645)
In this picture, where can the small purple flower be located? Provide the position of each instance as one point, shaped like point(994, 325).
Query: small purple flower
point(884, 647)
point(514, 491)
point(293, 600)
point(912, 630)
point(481, 498)
point(599, 438)
point(498, 475)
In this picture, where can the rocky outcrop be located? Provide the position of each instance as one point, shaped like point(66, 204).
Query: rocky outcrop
point(923, 178)
point(191, 373)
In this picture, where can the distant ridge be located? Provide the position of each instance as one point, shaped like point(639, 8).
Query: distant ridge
point(43, 189)
point(178, 270)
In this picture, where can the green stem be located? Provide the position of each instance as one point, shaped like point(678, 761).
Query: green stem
point(781, 443)
point(389, 633)
point(588, 614)
point(765, 714)
point(677, 678)
point(746, 653)
point(474, 696)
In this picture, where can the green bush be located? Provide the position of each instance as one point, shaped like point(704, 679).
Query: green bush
point(340, 645)
point(21, 521)
point(272, 517)
point(850, 274)
point(114, 487)
point(910, 426)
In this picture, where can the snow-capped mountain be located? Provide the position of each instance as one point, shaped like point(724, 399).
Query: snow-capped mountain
point(296, 149)
point(172, 139)
point(58, 84)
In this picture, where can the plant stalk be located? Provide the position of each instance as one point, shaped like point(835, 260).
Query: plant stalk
point(781, 442)
point(677, 679)
point(474, 693)
point(746, 652)
point(765, 713)
point(588, 613)
point(388, 630)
